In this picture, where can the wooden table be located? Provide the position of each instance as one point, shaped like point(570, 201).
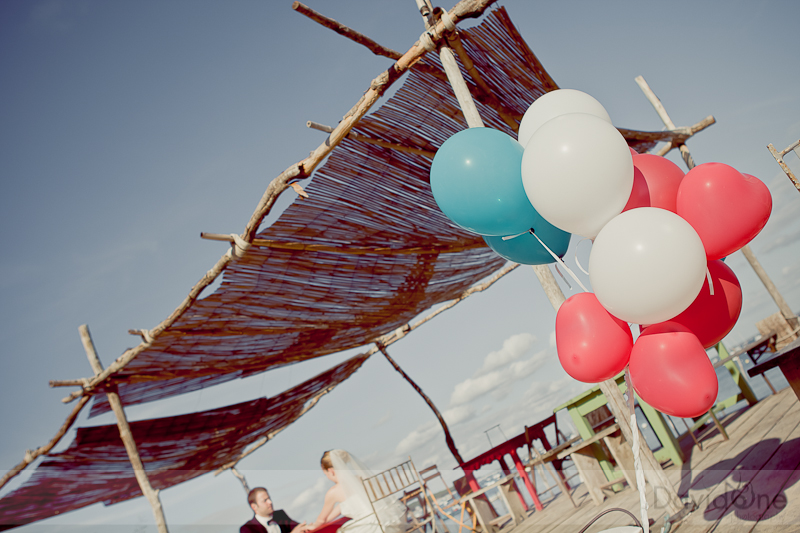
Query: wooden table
point(583, 404)
point(788, 360)
point(589, 468)
point(509, 447)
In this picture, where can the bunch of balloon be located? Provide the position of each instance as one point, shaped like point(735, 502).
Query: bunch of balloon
point(657, 237)
point(477, 183)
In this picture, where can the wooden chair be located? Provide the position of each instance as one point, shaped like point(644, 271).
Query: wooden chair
point(547, 460)
point(399, 478)
point(486, 518)
point(426, 476)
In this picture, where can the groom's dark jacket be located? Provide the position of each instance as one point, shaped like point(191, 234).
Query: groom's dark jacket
point(280, 518)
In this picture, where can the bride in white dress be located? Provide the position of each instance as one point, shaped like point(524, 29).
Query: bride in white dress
point(347, 497)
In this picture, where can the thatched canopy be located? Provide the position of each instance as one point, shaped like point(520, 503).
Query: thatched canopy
point(362, 256)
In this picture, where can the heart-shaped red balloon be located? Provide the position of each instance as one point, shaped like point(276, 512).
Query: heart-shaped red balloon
point(663, 179)
point(712, 316)
point(592, 345)
point(671, 371)
point(725, 207)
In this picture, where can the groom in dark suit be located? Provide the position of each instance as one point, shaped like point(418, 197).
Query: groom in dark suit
point(266, 520)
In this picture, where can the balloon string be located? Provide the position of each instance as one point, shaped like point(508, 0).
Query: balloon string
point(562, 276)
point(576, 254)
point(560, 262)
point(509, 237)
point(637, 460)
point(710, 281)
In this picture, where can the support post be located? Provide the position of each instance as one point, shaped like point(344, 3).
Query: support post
point(125, 433)
point(241, 478)
point(661, 486)
point(748, 254)
point(779, 158)
point(786, 311)
point(449, 439)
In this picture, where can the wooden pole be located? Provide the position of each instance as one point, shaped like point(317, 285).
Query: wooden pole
point(746, 251)
point(341, 29)
point(779, 158)
point(786, 311)
point(30, 456)
point(125, 433)
point(662, 113)
point(241, 478)
point(665, 495)
point(664, 492)
point(371, 140)
point(447, 437)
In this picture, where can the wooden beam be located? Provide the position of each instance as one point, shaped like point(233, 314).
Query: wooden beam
point(241, 478)
point(511, 118)
point(773, 291)
point(447, 437)
point(370, 140)
point(125, 433)
point(30, 456)
point(343, 30)
point(353, 250)
point(659, 107)
point(301, 170)
point(779, 158)
point(786, 311)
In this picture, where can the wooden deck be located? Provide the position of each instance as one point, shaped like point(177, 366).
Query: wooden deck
point(748, 483)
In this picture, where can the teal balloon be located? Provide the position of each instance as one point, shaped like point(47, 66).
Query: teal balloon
point(525, 249)
point(476, 179)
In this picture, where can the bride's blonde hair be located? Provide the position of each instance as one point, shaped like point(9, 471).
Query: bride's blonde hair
point(327, 463)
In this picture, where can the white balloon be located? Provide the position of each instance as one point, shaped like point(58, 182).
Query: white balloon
point(577, 172)
point(647, 265)
point(556, 103)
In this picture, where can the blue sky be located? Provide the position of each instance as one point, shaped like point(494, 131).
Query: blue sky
point(127, 128)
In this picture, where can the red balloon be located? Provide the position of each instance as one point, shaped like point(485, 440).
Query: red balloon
point(592, 345)
point(711, 317)
point(725, 207)
point(640, 194)
point(663, 179)
point(671, 371)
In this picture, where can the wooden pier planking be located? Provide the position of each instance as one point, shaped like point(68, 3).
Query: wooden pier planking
point(710, 481)
point(754, 499)
point(744, 461)
point(785, 518)
point(763, 453)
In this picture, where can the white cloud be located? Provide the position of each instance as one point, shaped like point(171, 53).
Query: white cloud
point(472, 388)
point(417, 438)
point(385, 418)
point(475, 387)
point(553, 339)
point(458, 414)
point(311, 497)
point(513, 348)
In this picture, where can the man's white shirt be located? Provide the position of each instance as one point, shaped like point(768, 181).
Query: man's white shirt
point(265, 521)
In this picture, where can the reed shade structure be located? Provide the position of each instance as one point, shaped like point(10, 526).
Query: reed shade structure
point(277, 305)
point(95, 467)
point(368, 251)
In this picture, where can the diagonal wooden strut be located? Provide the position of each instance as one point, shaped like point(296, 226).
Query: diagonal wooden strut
point(125, 434)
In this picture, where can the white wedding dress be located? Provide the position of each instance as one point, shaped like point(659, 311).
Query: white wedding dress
point(356, 506)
